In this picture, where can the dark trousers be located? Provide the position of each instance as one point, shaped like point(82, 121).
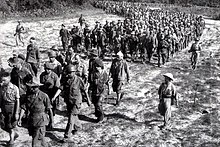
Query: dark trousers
point(97, 102)
point(163, 56)
point(65, 45)
point(34, 67)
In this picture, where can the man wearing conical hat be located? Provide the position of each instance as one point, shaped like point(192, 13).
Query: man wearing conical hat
point(167, 95)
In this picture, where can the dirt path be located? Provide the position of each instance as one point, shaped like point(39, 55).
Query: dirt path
point(135, 122)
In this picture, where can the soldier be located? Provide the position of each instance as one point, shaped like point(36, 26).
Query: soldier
point(81, 21)
point(38, 104)
point(195, 49)
point(98, 87)
point(133, 41)
point(117, 40)
point(101, 40)
point(9, 104)
point(162, 50)
point(91, 69)
point(119, 72)
point(167, 96)
point(56, 66)
point(18, 33)
point(51, 84)
point(151, 44)
point(25, 64)
point(60, 57)
point(73, 89)
point(33, 55)
point(19, 77)
point(64, 34)
point(81, 68)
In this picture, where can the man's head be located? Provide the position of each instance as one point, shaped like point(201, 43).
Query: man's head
point(52, 56)
point(62, 26)
point(32, 40)
point(5, 78)
point(71, 70)
point(48, 67)
point(99, 65)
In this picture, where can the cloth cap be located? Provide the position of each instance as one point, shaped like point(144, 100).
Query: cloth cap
point(169, 75)
point(13, 61)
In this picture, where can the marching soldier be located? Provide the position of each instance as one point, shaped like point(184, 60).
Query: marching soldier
point(56, 65)
point(38, 104)
point(119, 72)
point(64, 34)
point(33, 55)
point(195, 49)
point(73, 88)
point(18, 33)
point(98, 84)
point(51, 84)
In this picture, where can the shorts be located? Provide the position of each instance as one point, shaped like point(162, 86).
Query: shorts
point(9, 120)
point(117, 86)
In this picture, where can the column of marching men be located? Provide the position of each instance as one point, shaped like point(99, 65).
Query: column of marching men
point(28, 95)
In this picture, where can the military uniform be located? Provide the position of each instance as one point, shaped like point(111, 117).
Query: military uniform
point(51, 83)
point(99, 81)
point(64, 34)
point(37, 104)
point(72, 88)
point(33, 57)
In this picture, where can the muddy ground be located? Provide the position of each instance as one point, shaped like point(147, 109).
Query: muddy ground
point(136, 121)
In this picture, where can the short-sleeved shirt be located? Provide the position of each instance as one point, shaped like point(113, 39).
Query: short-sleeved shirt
point(50, 82)
point(9, 94)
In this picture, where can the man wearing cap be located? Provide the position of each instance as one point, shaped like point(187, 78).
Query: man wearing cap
point(33, 55)
point(119, 72)
point(195, 49)
point(38, 104)
point(73, 88)
point(51, 84)
point(19, 30)
point(9, 105)
point(81, 21)
point(56, 65)
point(133, 42)
point(64, 34)
point(98, 86)
point(167, 96)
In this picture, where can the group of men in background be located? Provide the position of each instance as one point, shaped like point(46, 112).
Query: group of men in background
point(27, 91)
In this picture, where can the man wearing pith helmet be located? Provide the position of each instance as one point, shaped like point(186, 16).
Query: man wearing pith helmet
point(167, 94)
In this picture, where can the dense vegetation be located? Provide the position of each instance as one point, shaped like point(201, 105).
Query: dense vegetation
point(59, 7)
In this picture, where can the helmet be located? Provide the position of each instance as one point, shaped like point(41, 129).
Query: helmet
point(71, 68)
